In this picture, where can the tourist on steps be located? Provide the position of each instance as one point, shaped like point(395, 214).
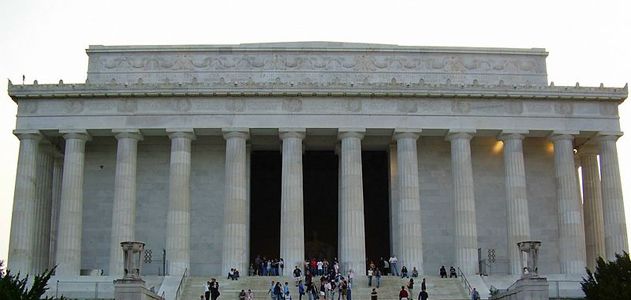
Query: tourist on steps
point(403, 294)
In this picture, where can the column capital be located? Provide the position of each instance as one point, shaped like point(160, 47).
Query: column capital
point(243, 133)
point(512, 135)
point(188, 133)
point(562, 135)
point(343, 133)
point(406, 133)
point(27, 134)
point(455, 134)
point(76, 134)
point(127, 133)
point(298, 133)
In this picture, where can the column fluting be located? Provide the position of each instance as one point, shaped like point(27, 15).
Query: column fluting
point(68, 254)
point(592, 205)
point(22, 239)
point(124, 208)
point(351, 229)
point(236, 215)
point(613, 204)
point(179, 213)
point(571, 229)
point(516, 198)
point(466, 237)
point(409, 218)
point(292, 235)
point(58, 165)
point(42, 211)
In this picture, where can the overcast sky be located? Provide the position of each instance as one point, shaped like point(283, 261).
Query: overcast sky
point(588, 41)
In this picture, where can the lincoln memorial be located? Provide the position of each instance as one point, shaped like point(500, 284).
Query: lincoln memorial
point(219, 153)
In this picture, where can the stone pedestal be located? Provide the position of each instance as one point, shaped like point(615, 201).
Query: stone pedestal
point(131, 286)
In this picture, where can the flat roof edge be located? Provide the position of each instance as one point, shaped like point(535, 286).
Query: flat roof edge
point(313, 47)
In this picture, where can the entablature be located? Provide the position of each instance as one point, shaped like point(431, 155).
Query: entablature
point(334, 89)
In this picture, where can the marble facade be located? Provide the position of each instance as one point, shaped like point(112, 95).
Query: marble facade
point(155, 146)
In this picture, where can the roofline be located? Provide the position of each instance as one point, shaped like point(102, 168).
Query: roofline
point(314, 47)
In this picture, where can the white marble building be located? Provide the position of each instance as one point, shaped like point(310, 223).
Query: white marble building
point(155, 146)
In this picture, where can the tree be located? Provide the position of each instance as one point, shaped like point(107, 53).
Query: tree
point(610, 281)
point(12, 287)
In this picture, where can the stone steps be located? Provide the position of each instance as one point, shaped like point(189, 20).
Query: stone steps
point(441, 289)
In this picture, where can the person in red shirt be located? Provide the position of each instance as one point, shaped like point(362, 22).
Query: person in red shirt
point(403, 294)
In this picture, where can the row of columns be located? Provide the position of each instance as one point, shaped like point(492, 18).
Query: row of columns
point(585, 231)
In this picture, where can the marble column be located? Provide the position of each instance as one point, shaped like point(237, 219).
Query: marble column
point(409, 221)
point(592, 205)
point(613, 205)
point(42, 211)
point(179, 213)
point(124, 210)
point(22, 239)
point(394, 200)
point(466, 237)
point(571, 229)
point(351, 231)
point(68, 254)
point(236, 215)
point(516, 198)
point(58, 165)
point(292, 233)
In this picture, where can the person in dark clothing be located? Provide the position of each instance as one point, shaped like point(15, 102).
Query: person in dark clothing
point(452, 272)
point(423, 286)
point(214, 289)
point(423, 295)
point(373, 294)
point(403, 294)
point(443, 272)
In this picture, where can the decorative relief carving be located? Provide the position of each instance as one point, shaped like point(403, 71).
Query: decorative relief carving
point(407, 106)
point(127, 106)
point(460, 106)
point(347, 62)
point(564, 108)
point(608, 109)
point(514, 107)
point(292, 105)
point(73, 106)
point(354, 105)
point(235, 105)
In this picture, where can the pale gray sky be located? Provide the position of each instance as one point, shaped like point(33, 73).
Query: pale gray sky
point(588, 41)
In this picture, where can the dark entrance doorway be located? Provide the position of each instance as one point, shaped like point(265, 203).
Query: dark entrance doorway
point(320, 187)
point(265, 193)
point(320, 169)
point(376, 204)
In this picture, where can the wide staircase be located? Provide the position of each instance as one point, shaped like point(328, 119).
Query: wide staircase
point(437, 288)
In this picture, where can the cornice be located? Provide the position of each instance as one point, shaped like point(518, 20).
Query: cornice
point(333, 89)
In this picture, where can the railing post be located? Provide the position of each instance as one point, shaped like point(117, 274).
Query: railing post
point(56, 288)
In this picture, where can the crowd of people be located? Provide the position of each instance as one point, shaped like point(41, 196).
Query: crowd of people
point(332, 284)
